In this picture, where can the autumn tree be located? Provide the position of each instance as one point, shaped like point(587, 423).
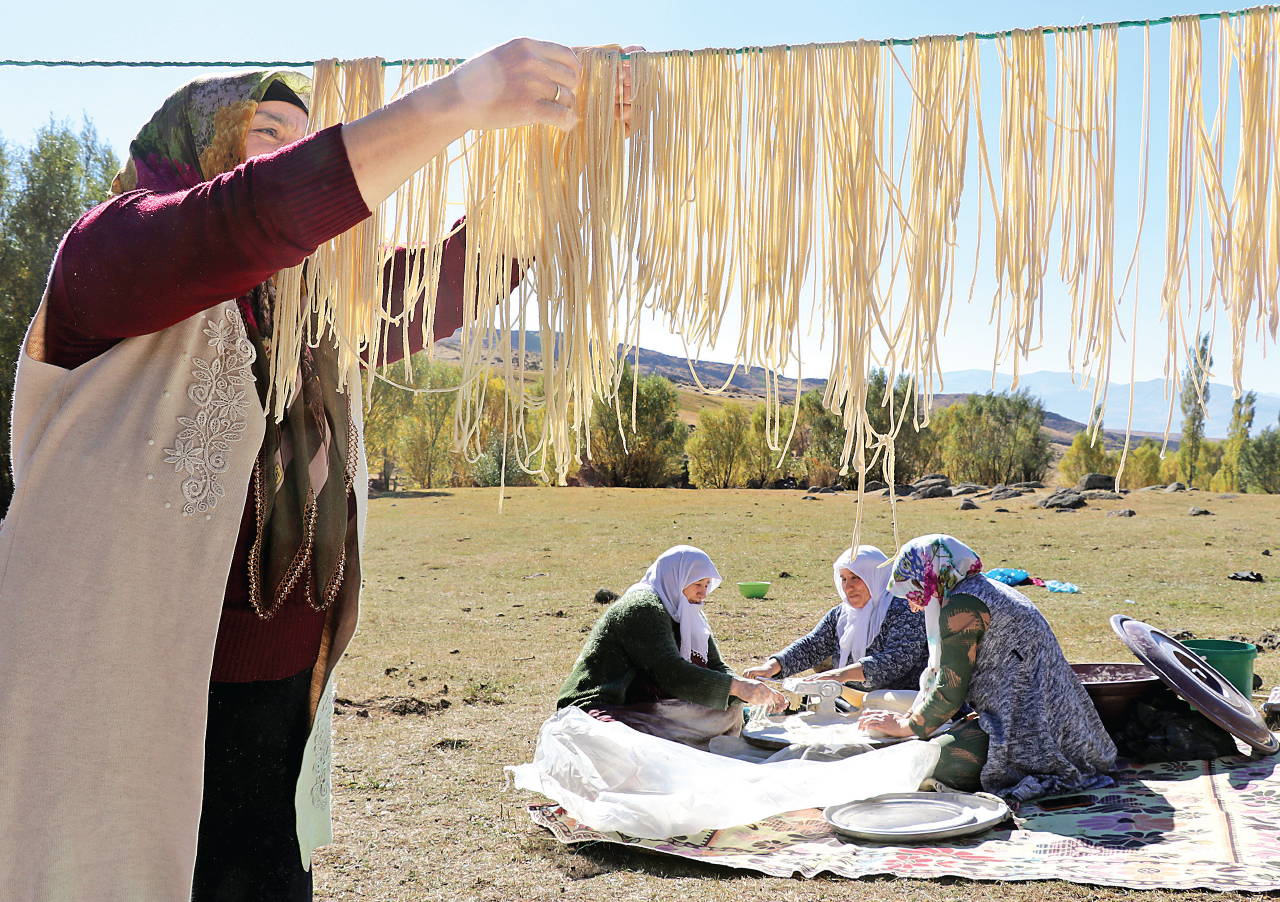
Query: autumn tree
point(43, 190)
point(819, 439)
point(1087, 454)
point(766, 464)
point(994, 439)
point(426, 427)
point(821, 432)
point(1194, 398)
point(388, 406)
point(1227, 479)
point(718, 449)
point(1142, 468)
point(646, 451)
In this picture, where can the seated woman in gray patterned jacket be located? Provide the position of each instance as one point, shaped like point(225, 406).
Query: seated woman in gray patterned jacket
point(1035, 732)
point(873, 639)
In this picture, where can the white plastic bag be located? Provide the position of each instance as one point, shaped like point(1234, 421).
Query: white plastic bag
point(615, 779)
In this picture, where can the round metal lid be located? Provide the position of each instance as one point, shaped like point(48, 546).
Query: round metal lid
point(1190, 676)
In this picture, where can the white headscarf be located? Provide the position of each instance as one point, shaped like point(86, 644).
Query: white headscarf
point(676, 569)
point(858, 627)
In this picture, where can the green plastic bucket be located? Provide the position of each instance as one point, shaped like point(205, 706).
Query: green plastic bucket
point(1232, 659)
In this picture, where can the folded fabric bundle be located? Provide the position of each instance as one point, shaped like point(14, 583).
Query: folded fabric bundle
point(1010, 576)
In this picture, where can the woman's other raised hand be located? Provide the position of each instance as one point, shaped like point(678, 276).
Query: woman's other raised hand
point(763, 671)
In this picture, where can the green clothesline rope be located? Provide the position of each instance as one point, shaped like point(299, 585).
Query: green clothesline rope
point(157, 64)
point(295, 64)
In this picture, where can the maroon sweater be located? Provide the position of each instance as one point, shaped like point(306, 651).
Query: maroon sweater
point(142, 262)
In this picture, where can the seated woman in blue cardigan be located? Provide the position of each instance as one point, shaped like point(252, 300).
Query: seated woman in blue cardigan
point(874, 640)
point(651, 662)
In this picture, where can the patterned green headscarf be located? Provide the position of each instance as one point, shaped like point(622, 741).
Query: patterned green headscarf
point(199, 132)
point(304, 470)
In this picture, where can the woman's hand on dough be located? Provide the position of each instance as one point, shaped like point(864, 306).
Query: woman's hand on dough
point(754, 693)
point(887, 722)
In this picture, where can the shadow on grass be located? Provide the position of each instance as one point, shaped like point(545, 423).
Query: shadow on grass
point(411, 493)
point(587, 860)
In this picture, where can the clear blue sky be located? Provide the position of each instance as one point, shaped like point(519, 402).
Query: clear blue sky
point(118, 101)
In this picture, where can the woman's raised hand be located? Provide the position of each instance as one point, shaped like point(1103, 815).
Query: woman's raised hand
point(521, 82)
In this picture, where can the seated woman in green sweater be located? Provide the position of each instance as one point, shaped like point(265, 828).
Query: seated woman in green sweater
point(651, 663)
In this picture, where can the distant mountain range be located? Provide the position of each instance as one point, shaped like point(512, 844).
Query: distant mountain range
point(1070, 406)
point(739, 382)
point(1150, 406)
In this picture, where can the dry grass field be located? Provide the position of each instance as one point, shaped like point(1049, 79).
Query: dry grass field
point(473, 617)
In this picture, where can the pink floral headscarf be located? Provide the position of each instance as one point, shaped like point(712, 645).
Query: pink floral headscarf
point(924, 572)
point(929, 567)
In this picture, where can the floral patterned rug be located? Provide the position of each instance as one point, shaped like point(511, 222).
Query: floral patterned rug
point(1180, 825)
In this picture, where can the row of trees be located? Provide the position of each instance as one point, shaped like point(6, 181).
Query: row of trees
point(1238, 463)
point(992, 439)
point(43, 190)
point(412, 434)
point(640, 441)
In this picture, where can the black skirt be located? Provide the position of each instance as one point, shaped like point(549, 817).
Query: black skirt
point(248, 845)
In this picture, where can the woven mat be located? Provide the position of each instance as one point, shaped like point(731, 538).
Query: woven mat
point(1182, 825)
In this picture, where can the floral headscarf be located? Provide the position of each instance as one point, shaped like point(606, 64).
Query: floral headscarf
point(857, 627)
point(199, 132)
point(924, 572)
point(928, 568)
point(307, 461)
point(675, 570)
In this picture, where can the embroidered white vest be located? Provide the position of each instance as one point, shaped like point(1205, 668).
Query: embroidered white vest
point(131, 473)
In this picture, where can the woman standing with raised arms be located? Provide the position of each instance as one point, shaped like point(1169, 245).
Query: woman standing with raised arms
point(179, 573)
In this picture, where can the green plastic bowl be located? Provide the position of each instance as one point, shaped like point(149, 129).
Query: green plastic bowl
point(753, 590)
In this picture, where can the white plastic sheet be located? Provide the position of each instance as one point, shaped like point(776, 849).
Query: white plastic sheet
point(615, 779)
